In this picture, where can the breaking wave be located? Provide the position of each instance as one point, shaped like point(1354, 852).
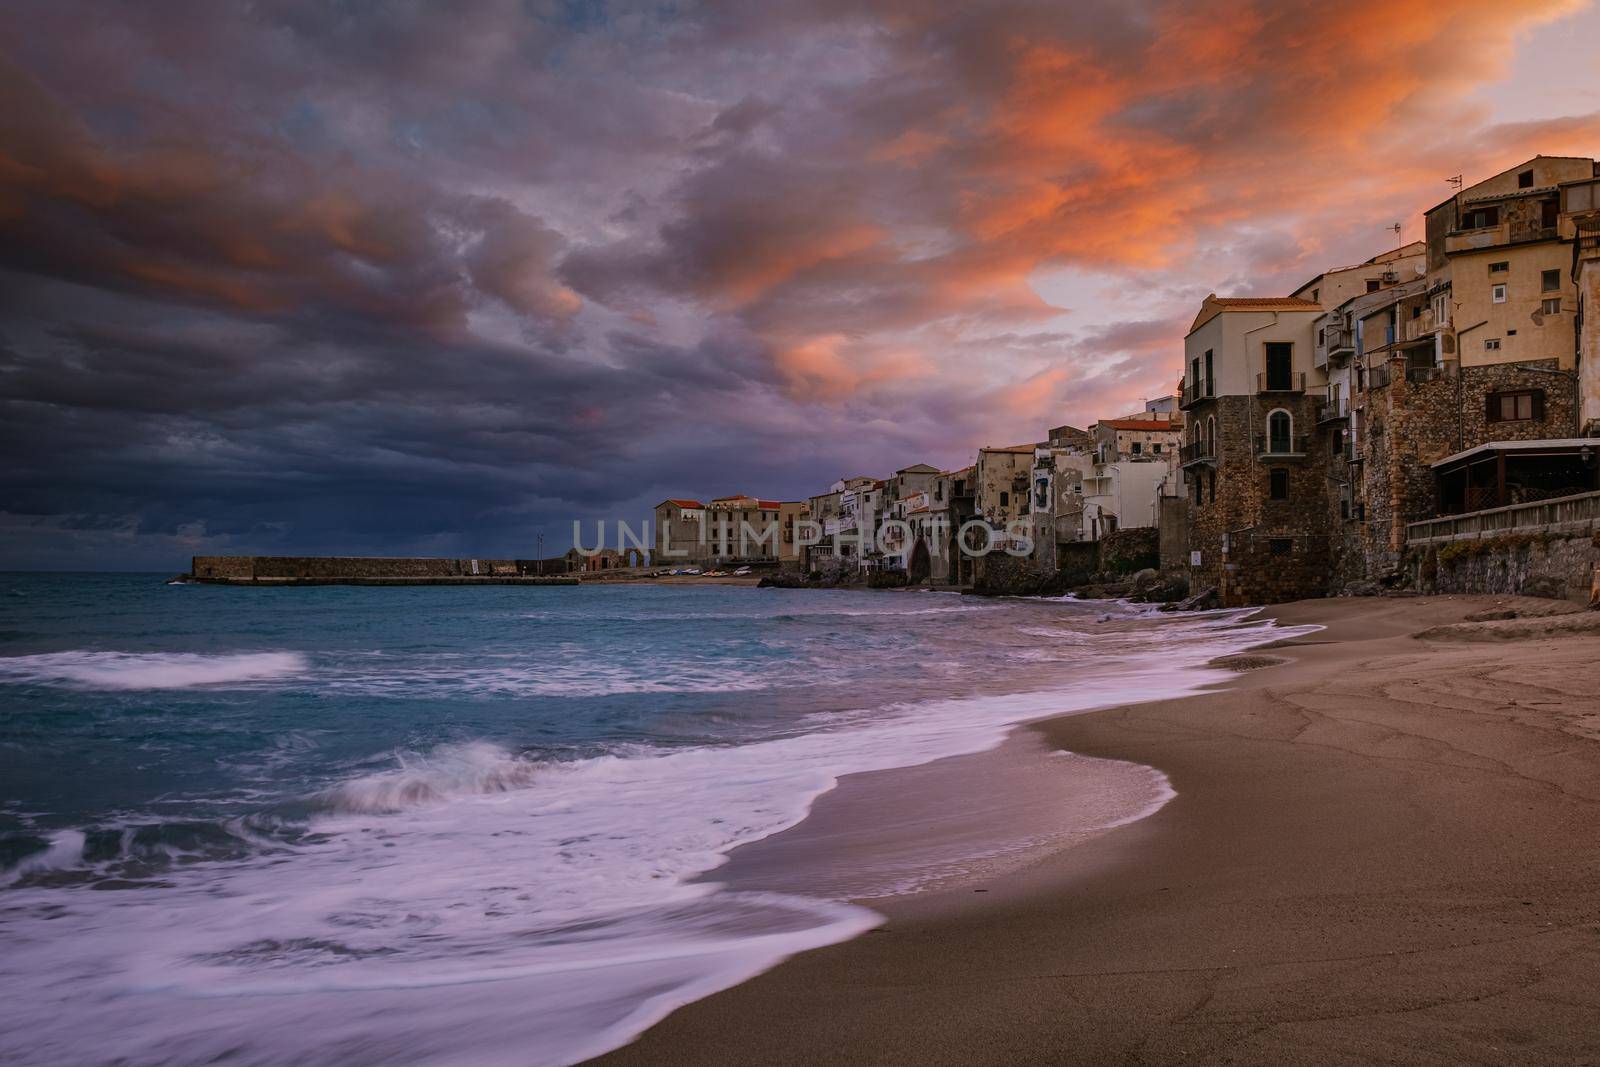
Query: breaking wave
point(148, 670)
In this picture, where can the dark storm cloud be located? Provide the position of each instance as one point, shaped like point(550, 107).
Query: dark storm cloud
point(434, 277)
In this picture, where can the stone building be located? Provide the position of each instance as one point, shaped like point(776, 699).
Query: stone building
point(678, 538)
point(1258, 496)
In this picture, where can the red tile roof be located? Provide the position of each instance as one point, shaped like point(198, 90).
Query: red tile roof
point(1265, 303)
point(687, 503)
point(1162, 425)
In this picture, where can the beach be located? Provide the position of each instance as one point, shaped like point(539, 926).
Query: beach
point(1381, 849)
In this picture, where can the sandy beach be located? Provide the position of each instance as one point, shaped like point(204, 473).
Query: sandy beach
point(1383, 848)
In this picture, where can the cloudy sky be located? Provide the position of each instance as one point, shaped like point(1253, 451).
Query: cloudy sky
point(440, 278)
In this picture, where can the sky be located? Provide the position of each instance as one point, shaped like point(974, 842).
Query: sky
point(440, 279)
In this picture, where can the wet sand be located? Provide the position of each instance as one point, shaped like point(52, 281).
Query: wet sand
point(1382, 849)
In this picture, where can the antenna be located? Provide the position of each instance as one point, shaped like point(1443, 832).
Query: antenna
point(1455, 181)
point(1396, 229)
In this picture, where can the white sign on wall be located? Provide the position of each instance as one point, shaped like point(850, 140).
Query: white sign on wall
point(1194, 559)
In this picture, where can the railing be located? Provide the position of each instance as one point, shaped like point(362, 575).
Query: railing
point(1200, 450)
point(1281, 383)
point(1377, 378)
point(1193, 393)
point(1351, 451)
point(1588, 233)
point(1295, 445)
point(1430, 374)
point(1333, 409)
point(1580, 508)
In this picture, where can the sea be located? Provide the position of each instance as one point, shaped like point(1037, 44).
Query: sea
point(447, 825)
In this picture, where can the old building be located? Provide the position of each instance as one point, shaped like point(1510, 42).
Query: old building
point(1258, 503)
point(1581, 210)
point(678, 538)
point(1001, 483)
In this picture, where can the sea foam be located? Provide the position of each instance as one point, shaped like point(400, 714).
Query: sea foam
point(474, 904)
point(148, 670)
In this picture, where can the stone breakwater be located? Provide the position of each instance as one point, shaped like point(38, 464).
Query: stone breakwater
point(368, 570)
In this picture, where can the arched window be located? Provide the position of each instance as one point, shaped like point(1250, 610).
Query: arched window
point(1280, 432)
point(1211, 435)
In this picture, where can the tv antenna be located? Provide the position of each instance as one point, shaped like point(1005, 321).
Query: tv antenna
point(1455, 181)
point(1396, 229)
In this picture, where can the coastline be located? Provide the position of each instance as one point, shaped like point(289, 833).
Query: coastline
point(1381, 848)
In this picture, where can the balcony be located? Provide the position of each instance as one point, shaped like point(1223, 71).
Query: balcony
point(1333, 410)
point(1351, 451)
point(1336, 340)
point(1267, 382)
point(1199, 452)
point(1282, 447)
point(1196, 392)
point(1377, 378)
point(1481, 237)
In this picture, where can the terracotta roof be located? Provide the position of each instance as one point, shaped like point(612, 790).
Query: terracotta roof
point(687, 503)
point(725, 499)
point(1162, 425)
point(1265, 303)
point(767, 505)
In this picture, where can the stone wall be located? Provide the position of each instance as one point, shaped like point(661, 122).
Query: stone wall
point(1253, 549)
point(1409, 425)
point(1526, 564)
point(1126, 551)
point(270, 567)
point(1173, 524)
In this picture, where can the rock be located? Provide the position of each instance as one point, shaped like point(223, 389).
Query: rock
point(1145, 579)
point(1204, 600)
point(1165, 589)
point(1361, 588)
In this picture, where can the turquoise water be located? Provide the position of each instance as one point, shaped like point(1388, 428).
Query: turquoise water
point(465, 825)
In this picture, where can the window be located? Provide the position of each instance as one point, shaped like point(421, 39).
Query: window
point(1501, 267)
point(1210, 389)
point(1525, 180)
point(1548, 212)
point(1156, 448)
point(1373, 285)
point(1280, 546)
point(1550, 280)
point(1005, 499)
point(1211, 479)
point(1492, 344)
point(1280, 433)
point(1481, 218)
point(1316, 295)
point(1322, 337)
point(1278, 483)
point(1551, 306)
point(1500, 294)
point(1280, 366)
point(1516, 407)
point(1137, 448)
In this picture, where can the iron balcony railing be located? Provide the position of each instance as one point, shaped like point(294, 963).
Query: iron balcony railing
point(1194, 392)
point(1280, 382)
point(1333, 409)
point(1377, 377)
point(1196, 453)
point(1276, 445)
